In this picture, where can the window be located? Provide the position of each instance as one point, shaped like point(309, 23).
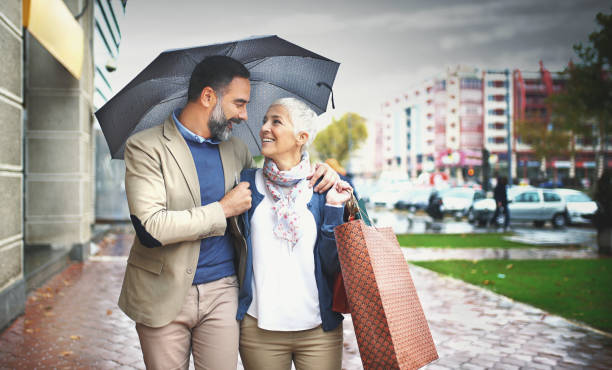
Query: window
point(496, 140)
point(497, 112)
point(471, 83)
point(496, 125)
point(527, 197)
point(498, 97)
point(551, 197)
point(575, 198)
point(496, 83)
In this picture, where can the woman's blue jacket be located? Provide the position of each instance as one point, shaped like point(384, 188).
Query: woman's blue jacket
point(325, 253)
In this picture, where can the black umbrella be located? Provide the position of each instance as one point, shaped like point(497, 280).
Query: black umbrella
point(278, 69)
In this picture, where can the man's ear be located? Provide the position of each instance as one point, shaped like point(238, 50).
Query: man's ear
point(208, 98)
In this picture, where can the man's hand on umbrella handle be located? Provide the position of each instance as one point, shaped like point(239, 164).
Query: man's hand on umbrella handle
point(237, 200)
point(328, 177)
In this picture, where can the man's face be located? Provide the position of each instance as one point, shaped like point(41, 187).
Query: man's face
point(230, 108)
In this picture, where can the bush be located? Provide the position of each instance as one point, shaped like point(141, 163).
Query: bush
point(603, 196)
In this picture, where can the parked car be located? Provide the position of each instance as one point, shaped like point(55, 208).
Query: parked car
point(389, 195)
point(525, 204)
point(415, 199)
point(458, 201)
point(580, 208)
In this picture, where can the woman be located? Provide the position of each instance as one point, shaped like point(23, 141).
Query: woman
point(285, 301)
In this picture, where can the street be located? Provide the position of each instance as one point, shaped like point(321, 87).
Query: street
point(408, 223)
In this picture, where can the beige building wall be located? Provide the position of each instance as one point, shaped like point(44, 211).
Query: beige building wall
point(46, 152)
point(59, 145)
point(12, 287)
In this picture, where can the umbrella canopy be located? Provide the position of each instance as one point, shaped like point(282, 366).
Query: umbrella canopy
point(278, 69)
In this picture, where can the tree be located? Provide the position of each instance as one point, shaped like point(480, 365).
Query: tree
point(341, 137)
point(585, 106)
point(545, 139)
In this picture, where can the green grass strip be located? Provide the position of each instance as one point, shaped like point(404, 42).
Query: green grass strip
point(488, 240)
point(577, 289)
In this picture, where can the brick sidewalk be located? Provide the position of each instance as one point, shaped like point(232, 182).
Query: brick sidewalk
point(73, 322)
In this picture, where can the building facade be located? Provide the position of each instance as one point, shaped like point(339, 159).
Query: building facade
point(110, 198)
point(46, 142)
point(450, 119)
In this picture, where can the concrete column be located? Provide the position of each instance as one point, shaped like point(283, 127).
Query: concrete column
point(59, 207)
point(12, 287)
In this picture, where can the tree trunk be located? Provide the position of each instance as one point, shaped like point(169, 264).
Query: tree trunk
point(604, 241)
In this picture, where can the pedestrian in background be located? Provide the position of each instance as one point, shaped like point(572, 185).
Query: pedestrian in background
point(500, 194)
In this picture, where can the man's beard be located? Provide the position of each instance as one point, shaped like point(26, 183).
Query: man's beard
point(218, 125)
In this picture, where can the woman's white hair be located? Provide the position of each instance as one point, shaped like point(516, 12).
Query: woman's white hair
point(303, 118)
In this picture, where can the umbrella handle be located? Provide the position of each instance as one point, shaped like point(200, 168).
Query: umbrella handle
point(330, 89)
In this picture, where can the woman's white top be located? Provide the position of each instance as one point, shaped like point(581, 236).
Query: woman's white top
point(285, 295)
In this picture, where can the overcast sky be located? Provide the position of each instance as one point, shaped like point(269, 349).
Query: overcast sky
point(383, 47)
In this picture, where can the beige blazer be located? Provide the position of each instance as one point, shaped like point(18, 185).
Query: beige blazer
point(163, 195)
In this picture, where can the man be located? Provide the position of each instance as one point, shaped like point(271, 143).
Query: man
point(187, 261)
point(500, 195)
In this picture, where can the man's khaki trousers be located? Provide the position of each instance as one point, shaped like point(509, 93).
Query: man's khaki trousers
point(206, 326)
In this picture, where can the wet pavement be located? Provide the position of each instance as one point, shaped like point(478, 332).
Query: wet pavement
point(433, 254)
point(73, 322)
point(474, 328)
point(409, 223)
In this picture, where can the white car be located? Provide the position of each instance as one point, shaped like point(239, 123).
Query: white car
point(525, 204)
point(580, 208)
point(386, 197)
point(458, 201)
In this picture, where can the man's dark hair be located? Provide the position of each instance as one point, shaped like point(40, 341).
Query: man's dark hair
point(216, 71)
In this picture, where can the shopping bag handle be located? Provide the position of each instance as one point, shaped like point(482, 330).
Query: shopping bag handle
point(355, 210)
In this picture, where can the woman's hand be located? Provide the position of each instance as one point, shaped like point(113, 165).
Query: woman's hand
point(339, 194)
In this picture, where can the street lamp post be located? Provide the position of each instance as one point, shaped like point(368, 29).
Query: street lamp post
point(508, 128)
point(350, 143)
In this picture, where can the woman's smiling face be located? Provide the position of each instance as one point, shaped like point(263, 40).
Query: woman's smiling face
point(278, 138)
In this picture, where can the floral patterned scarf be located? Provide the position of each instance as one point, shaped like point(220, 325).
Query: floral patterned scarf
point(286, 226)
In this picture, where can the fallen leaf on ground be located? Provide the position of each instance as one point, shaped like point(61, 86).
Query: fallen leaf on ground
point(109, 312)
point(473, 271)
point(66, 353)
point(509, 266)
point(49, 313)
point(75, 337)
point(29, 331)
